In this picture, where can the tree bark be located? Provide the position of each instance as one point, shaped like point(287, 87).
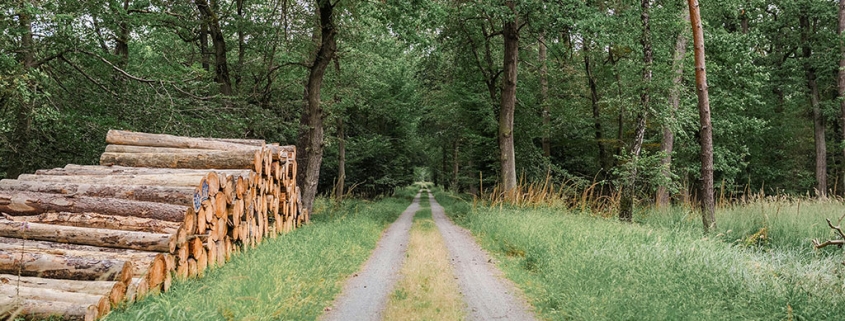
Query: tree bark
point(199, 160)
point(544, 96)
point(667, 144)
point(455, 165)
point(94, 220)
point(140, 260)
point(27, 203)
point(626, 211)
point(341, 160)
point(121, 48)
point(64, 310)
point(241, 43)
point(594, 102)
point(160, 194)
point(708, 213)
point(183, 180)
point(116, 291)
point(311, 124)
point(64, 267)
point(121, 239)
point(122, 137)
point(204, 52)
point(218, 40)
point(510, 33)
point(818, 119)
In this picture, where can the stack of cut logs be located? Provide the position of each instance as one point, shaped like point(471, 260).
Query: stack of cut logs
point(78, 240)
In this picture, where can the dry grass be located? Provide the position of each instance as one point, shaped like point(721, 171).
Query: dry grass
point(427, 290)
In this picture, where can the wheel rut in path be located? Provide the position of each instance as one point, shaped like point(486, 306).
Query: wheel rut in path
point(366, 293)
point(488, 295)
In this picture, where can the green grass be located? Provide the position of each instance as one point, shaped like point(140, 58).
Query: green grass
point(579, 267)
point(291, 277)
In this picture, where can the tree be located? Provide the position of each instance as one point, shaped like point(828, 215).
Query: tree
point(705, 129)
point(627, 201)
point(510, 33)
point(310, 146)
point(212, 20)
point(668, 142)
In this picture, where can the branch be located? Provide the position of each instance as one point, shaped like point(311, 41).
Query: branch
point(89, 77)
point(125, 74)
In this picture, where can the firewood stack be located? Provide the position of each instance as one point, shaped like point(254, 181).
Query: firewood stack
point(78, 240)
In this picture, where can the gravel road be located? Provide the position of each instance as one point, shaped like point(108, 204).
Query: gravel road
point(366, 293)
point(488, 295)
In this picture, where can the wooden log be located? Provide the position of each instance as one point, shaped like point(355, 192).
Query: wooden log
point(120, 137)
point(89, 236)
point(74, 286)
point(141, 260)
point(73, 169)
point(183, 180)
point(63, 267)
point(94, 220)
point(242, 141)
point(178, 195)
point(35, 309)
point(29, 203)
point(46, 294)
point(193, 270)
point(198, 160)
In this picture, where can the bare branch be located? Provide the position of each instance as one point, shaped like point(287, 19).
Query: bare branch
point(89, 77)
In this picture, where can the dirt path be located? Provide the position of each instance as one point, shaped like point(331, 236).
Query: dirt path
point(365, 294)
point(488, 295)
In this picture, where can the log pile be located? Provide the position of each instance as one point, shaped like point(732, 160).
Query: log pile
point(78, 240)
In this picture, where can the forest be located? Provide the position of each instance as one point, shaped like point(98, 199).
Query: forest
point(373, 92)
point(575, 146)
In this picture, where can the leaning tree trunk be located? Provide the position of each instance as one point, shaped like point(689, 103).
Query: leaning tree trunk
point(626, 206)
point(818, 118)
point(841, 79)
point(708, 215)
point(544, 95)
point(310, 147)
point(511, 61)
point(219, 42)
point(668, 142)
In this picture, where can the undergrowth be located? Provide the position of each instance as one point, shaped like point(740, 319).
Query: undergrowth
point(588, 267)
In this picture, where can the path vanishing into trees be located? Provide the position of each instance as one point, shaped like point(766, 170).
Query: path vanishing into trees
point(487, 294)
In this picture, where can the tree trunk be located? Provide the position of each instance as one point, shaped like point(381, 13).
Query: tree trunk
point(510, 33)
point(121, 48)
point(241, 43)
point(668, 142)
point(140, 260)
point(115, 290)
point(341, 160)
point(311, 124)
point(818, 118)
point(27, 203)
point(841, 80)
point(122, 137)
point(708, 213)
point(219, 42)
point(626, 211)
point(72, 169)
point(594, 101)
point(455, 166)
point(204, 52)
point(544, 96)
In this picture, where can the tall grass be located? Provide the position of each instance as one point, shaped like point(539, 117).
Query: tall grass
point(291, 277)
point(583, 267)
